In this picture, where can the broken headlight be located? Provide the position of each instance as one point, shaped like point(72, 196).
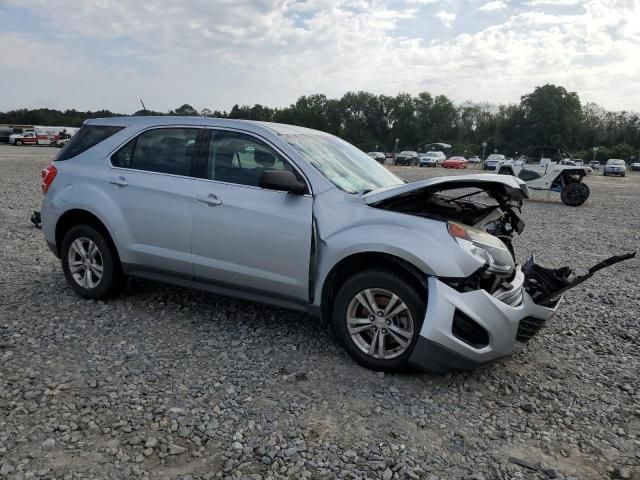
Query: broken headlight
point(484, 246)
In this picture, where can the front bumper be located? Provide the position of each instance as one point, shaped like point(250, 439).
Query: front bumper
point(493, 327)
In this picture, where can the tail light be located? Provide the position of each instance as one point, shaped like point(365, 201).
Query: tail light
point(48, 175)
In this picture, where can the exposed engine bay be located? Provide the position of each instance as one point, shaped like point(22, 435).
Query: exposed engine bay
point(488, 205)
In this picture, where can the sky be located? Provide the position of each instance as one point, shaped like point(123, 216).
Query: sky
point(104, 54)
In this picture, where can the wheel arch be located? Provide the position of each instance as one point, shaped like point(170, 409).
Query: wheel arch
point(78, 216)
point(568, 175)
point(360, 261)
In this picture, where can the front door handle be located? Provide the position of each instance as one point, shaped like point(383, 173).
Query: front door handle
point(210, 199)
point(120, 181)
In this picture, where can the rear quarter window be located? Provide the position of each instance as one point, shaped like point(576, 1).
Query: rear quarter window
point(87, 137)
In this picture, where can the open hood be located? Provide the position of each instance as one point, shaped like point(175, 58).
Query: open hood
point(503, 188)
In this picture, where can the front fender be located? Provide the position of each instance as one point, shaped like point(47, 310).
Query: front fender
point(432, 251)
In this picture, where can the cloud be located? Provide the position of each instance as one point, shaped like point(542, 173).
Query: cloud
point(447, 18)
point(563, 3)
point(493, 6)
point(215, 54)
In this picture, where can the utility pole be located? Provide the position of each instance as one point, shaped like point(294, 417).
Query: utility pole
point(484, 146)
point(395, 150)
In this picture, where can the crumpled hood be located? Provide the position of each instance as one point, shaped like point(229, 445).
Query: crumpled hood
point(501, 187)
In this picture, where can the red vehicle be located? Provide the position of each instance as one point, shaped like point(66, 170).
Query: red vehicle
point(456, 162)
point(42, 135)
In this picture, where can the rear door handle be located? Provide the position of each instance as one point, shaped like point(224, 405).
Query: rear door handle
point(210, 199)
point(120, 181)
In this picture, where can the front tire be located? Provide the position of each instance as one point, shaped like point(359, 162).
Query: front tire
point(18, 143)
point(90, 265)
point(575, 194)
point(377, 317)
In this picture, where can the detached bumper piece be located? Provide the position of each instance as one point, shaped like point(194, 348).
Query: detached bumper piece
point(546, 285)
point(465, 329)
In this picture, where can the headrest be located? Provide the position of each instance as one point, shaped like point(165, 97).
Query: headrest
point(264, 159)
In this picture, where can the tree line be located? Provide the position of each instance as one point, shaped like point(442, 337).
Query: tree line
point(550, 115)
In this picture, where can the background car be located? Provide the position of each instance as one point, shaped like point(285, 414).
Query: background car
point(474, 159)
point(456, 162)
point(493, 160)
point(407, 157)
point(377, 156)
point(432, 159)
point(635, 166)
point(578, 161)
point(615, 166)
point(594, 164)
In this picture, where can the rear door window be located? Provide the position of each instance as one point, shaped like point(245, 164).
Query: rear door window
point(87, 137)
point(162, 150)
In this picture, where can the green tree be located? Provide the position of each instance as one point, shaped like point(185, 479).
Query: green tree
point(551, 115)
point(185, 110)
point(623, 151)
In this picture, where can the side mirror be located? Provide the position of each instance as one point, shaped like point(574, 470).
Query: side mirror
point(282, 180)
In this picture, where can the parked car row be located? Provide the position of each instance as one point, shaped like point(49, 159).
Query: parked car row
point(436, 158)
point(39, 135)
point(428, 159)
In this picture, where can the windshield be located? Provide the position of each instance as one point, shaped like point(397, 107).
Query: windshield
point(615, 162)
point(495, 156)
point(341, 163)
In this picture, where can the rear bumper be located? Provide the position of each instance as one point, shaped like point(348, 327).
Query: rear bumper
point(502, 326)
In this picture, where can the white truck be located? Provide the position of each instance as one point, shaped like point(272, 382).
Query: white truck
point(41, 135)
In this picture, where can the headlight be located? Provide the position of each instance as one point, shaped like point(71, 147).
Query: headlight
point(484, 246)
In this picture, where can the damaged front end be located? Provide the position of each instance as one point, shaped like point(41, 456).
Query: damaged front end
point(474, 320)
point(482, 216)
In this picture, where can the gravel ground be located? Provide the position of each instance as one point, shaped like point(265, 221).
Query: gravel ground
point(166, 383)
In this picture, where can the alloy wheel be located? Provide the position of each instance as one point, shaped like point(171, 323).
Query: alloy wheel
point(379, 323)
point(85, 262)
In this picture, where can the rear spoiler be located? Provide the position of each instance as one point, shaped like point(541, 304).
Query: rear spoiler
point(545, 285)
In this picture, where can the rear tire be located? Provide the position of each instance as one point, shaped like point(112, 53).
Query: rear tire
point(575, 194)
point(365, 299)
point(90, 265)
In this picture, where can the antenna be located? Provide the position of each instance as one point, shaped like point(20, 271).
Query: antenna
point(143, 107)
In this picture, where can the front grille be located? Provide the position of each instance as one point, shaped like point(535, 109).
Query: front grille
point(528, 328)
point(469, 331)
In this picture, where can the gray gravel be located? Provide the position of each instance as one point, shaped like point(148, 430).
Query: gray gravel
point(166, 383)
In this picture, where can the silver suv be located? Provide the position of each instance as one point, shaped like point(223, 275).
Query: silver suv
point(409, 274)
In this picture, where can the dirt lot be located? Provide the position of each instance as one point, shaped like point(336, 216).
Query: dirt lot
point(166, 383)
